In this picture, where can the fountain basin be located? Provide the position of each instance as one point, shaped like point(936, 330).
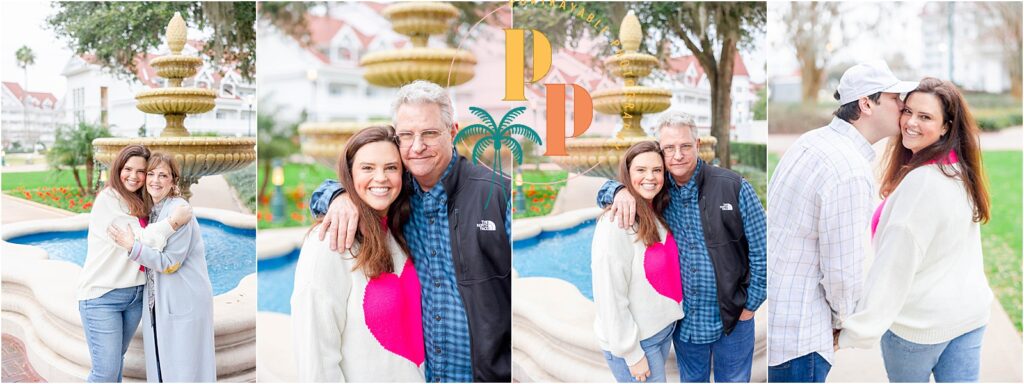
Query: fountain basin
point(41, 308)
point(325, 141)
point(197, 156)
point(602, 155)
point(643, 100)
point(278, 252)
point(229, 250)
point(630, 64)
point(176, 100)
point(395, 68)
point(420, 19)
point(176, 67)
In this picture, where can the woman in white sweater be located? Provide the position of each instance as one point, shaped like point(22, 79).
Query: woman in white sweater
point(110, 292)
point(926, 297)
point(638, 288)
point(356, 315)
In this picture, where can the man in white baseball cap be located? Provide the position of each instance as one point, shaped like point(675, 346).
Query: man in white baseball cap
point(819, 207)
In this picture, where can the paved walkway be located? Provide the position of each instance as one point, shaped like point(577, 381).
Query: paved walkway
point(16, 368)
point(215, 192)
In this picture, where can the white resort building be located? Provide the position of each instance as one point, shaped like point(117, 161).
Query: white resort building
point(95, 95)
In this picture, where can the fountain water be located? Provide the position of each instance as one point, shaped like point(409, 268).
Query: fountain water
point(197, 156)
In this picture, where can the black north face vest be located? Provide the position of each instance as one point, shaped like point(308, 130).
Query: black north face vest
point(482, 258)
point(718, 197)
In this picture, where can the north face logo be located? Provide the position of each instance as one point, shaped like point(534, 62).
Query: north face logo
point(486, 225)
point(726, 207)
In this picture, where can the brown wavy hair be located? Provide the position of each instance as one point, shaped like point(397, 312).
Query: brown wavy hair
point(961, 138)
point(372, 254)
point(647, 215)
point(157, 159)
point(136, 203)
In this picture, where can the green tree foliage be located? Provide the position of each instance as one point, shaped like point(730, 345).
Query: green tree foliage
point(117, 33)
point(275, 140)
point(73, 149)
point(25, 58)
point(761, 105)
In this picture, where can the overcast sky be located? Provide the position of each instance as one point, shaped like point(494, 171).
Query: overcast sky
point(24, 23)
point(901, 33)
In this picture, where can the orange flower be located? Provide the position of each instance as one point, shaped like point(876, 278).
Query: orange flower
point(297, 216)
point(71, 203)
point(87, 205)
point(28, 195)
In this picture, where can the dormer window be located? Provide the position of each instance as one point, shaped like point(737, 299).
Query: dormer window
point(346, 46)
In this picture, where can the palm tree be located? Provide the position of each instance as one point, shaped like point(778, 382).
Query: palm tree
point(496, 136)
point(25, 58)
point(73, 149)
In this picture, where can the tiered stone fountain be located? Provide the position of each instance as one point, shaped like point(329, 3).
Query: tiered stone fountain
point(197, 156)
point(395, 68)
point(602, 155)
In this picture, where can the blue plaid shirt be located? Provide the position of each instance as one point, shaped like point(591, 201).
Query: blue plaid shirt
point(445, 328)
point(703, 322)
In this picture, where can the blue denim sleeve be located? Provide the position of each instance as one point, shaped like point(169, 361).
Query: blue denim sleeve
point(756, 231)
point(508, 221)
point(606, 195)
point(321, 198)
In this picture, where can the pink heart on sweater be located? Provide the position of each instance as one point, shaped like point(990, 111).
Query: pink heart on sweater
point(661, 265)
point(391, 307)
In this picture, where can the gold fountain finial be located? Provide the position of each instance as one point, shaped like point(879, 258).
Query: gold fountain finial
point(177, 32)
point(630, 33)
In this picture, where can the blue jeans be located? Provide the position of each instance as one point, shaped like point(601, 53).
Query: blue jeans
point(109, 322)
point(733, 355)
point(655, 349)
point(957, 360)
point(810, 368)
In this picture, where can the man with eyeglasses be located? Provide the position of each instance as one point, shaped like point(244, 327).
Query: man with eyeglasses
point(460, 241)
point(719, 227)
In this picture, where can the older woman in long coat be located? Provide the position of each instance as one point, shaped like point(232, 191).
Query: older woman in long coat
point(177, 321)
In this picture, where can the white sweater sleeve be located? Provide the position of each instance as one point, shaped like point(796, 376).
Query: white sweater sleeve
point(155, 235)
point(905, 228)
point(319, 305)
point(611, 258)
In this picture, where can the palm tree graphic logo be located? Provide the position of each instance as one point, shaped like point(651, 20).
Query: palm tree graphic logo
point(496, 136)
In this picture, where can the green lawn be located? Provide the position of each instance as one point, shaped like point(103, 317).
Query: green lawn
point(33, 180)
point(55, 189)
point(300, 180)
point(540, 189)
point(1001, 237)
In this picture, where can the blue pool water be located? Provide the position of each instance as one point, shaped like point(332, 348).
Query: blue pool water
point(561, 254)
point(230, 251)
point(276, 281)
